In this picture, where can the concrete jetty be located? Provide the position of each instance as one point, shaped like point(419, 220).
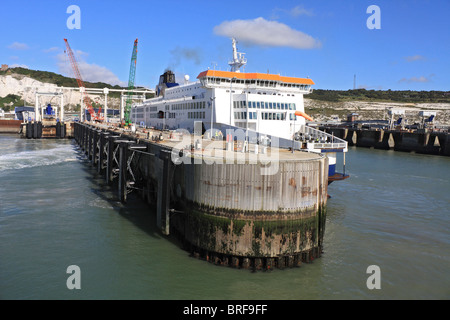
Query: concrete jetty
point(230, 203)
point(419, 141)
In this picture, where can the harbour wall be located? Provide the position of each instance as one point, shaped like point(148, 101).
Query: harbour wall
point(49, 128)
point(434, 142)
point(229, 214)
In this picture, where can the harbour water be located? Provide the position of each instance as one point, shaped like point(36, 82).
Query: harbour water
point(55, 211)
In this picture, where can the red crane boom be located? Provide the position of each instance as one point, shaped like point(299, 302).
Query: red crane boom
point(86, 98)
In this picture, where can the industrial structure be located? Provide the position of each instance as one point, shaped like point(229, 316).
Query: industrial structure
point(131, 78)
point(94, 116)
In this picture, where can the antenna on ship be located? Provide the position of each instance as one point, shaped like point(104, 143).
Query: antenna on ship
point(238, 58)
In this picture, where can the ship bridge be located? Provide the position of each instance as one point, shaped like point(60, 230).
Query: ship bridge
point(215, 78)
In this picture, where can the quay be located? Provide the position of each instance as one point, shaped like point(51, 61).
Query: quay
point(47, 128)
point(242, 205)
point(419, 141)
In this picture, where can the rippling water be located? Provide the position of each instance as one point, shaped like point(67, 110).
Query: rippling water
point(55, 211)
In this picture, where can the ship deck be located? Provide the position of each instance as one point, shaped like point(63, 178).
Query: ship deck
point(199, 146)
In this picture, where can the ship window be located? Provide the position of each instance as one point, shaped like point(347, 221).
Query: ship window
point(278, 106)
point(266, 105)
point(258, 104)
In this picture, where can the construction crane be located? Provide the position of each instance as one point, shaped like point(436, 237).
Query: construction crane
point(127, 113)
point(87, 100)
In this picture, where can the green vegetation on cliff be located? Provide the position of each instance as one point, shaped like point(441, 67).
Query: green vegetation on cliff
point(10, 101)
point(380, 96)
point(59, 80)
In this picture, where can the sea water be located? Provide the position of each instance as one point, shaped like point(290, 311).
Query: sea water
point(56, 212)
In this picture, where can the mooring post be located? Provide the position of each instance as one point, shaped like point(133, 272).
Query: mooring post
point(162, 219)
point(63, 130)
point(94, 146)
point(75, 132)
point(89, 154)
point(81, 134)
point(101, 154)
point(83, 137)
point(86, 138)
point(58, 130)
point(123, 168)
point(35, 130)
point(109, 160)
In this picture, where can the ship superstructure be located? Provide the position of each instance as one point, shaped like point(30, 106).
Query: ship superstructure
point(260, 102)
point(268, 105)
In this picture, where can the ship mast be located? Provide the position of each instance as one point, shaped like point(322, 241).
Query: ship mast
point(238, 59)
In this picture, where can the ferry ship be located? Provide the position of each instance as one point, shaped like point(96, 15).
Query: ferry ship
point(268, 105)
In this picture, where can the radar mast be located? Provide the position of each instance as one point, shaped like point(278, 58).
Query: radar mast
point(238, 58)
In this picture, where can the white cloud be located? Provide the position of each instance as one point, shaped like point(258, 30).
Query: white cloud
point(294, 12)
point(299, 11)
point(417, 57)
point(19, 66)
point(266, 33)
point(52, 49)
point(18, 46)
point(421, 79)
point(90, 72)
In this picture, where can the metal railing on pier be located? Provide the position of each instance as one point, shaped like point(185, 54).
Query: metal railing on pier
point(317, 139)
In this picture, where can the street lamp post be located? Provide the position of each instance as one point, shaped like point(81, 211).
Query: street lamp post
point(231, 98)
point(212, 113)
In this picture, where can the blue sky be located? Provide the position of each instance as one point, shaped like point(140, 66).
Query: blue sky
point(328, 41)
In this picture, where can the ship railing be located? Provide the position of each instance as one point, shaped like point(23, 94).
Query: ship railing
point(317, 139)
